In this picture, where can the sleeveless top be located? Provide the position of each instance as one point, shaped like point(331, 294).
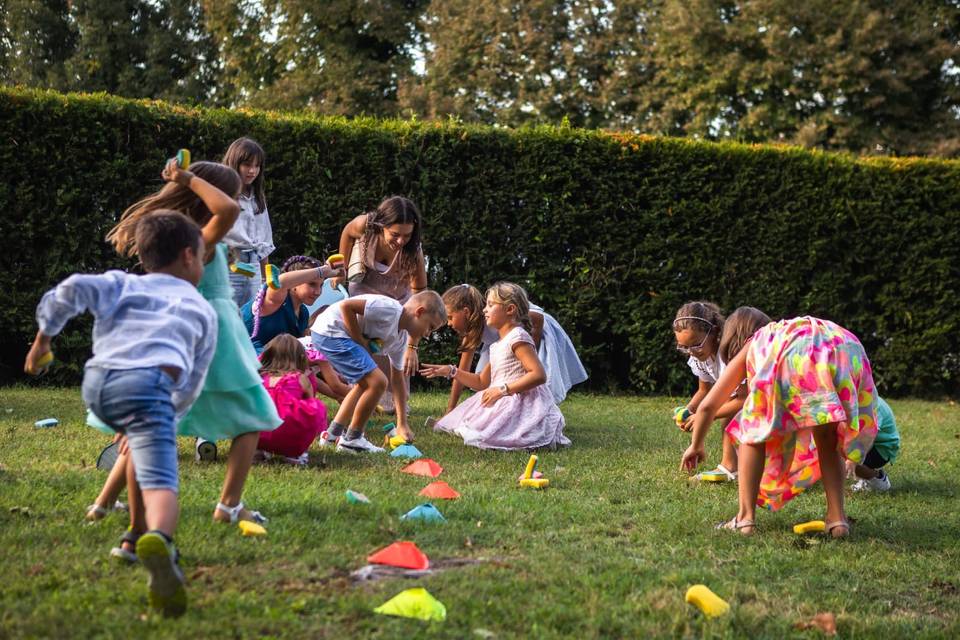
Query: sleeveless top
point(386, 280)
point(283, 320)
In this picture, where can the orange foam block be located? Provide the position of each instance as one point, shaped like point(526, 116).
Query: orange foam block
point(440, 490)
point(423, 467)
point(401, 554)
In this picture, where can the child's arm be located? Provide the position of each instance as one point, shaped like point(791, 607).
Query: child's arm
point(223, 208)
point(477, 382)
point(352, 231)
point(351, 309)
point(466, 358)
point(305, 385)
point(728, 382)
point(703, 388)
point(534, 377)
point(536, 319)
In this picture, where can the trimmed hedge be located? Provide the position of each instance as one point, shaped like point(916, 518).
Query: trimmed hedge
point(609, 232)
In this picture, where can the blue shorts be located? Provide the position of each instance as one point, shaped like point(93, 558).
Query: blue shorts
point(138, 404)
point(348, 358)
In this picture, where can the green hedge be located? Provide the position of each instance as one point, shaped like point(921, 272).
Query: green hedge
point(610, 233)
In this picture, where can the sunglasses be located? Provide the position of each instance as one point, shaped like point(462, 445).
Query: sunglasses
point(695, 349)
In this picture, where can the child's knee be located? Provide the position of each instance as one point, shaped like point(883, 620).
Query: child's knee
point(376, 381)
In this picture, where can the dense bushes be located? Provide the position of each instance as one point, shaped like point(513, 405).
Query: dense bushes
point(609, 232)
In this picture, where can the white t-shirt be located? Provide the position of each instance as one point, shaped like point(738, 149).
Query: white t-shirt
point(707, 370)
point(252, 231)
point(380, 319)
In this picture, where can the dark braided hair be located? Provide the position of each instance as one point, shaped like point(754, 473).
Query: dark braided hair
point(296, 263)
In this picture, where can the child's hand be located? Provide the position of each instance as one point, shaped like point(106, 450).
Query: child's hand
point(687, 425)
point(37, 358)
point(692, 458)
point(411, 362)
point(336, 269)
point(435, 370)
point(173, 173)
point(490, 396)
point(124, 447)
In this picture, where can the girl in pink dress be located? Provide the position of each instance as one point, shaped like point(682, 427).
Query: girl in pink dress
point(515, 409)
point(285, 370)
point(810, 403)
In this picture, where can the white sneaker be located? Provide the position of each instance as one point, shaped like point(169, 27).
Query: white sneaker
point(299, 461)
point(358, 445)
point(880, 483)
point(325, 440)
point(206, 450)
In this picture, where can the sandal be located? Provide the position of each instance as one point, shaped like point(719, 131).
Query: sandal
point(234, 513)
point(738, 525)
point(96, 512)
point(836, 524)
point(129, 537)
point(720, 474)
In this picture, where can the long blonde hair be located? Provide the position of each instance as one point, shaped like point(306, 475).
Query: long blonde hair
point(284, 354)
point(177, 198)
point(466, 296)
point(510, 293)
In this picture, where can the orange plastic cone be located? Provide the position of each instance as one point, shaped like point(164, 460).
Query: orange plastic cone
point(401, 554)
point(439, 490)
point(423, 467)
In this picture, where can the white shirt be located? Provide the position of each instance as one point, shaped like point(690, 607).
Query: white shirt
point(154, 320)
point(380, 319)
point(707, 370)
point(251, 231)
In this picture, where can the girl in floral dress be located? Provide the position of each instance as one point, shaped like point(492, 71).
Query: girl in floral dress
point(811, 402)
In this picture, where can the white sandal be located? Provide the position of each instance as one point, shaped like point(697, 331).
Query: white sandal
point(720, 474)
point(234, 513)
point(96, 512)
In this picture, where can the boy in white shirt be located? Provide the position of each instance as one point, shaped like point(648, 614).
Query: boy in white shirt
point(153, 339)
point(346, 332)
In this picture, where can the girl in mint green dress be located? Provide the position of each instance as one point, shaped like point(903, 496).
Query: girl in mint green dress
point(233, 404)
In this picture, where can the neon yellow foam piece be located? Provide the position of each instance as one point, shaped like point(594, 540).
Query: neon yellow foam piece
point(535, 483)
point(414, 603)
point(249, 529)
point(814, 526)
point(707, 601)
point(531, 465)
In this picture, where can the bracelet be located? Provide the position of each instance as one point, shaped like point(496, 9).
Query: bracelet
point(413, 346)
point(453, 372)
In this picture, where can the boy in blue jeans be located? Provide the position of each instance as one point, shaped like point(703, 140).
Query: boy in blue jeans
point(153, 339)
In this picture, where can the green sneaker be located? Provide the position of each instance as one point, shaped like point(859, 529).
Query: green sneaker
point(167, 591)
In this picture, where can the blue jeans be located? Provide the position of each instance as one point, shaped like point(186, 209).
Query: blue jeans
point(244, 288)
point(137, 403)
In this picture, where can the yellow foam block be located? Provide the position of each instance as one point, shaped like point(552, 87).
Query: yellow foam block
point(531, 465)
point(42, 363)
point(707, 601)
point(248, 528)
point(814, 526)
point(337, 257)
point(395, 441)
point(272, 276)
point(183, 159)
point(535, 483)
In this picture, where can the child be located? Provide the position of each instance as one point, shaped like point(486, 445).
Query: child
point(284, 367)
point(321, 372)
point(808, 381)
point(464, 304)
point(515, 410)
point(153, 339)
point(233, 405)
point(885, 450)
point(251, 238)
point(284, 310)
point(346, 332)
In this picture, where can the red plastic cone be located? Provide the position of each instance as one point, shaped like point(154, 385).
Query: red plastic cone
point(401, 554)
point(439, 490)
point(423, 467)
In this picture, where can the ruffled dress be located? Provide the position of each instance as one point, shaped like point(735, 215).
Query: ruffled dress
point(526, 420)
point(801, 373)
point(303, 418)
point(233, 400)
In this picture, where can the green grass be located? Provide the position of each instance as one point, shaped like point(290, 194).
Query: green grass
point(608, 551)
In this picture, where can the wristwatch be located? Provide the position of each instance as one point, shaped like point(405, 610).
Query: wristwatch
point(504, 389)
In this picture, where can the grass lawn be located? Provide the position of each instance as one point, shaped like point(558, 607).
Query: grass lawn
point(607, 551)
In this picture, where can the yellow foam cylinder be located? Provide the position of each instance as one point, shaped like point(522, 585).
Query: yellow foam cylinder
point(183, 159)
point(272, 274)
point(248, 528)
point(42, 363)
point(337, 257)
point(712, 605)
point(814, 526)
point(535, 483)
point(531, 465)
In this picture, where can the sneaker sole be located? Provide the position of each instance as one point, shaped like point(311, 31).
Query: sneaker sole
point(167, 591)
point(342, 447)
point(207, 452)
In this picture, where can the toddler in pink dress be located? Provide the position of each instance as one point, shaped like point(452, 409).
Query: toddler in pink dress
point(285, 370)
point(513, 408)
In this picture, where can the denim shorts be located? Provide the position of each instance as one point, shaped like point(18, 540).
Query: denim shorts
point(348, 358)
point(138, 404)
point(244, 288)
